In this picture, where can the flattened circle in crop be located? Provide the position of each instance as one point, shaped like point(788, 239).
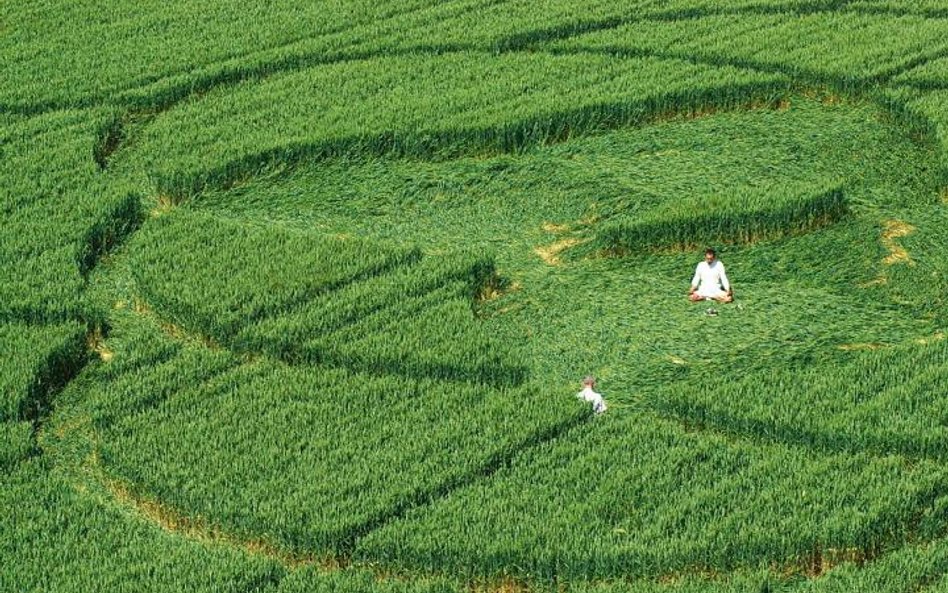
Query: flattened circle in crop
point(316, 442)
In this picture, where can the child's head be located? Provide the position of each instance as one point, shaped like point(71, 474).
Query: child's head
point(589, 381)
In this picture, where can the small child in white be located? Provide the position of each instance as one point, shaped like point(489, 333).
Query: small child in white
point(589, 394)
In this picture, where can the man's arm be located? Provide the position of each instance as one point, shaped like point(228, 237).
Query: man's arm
point(724, 281)
point(696, 279)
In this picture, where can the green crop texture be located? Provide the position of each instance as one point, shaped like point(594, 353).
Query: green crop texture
point(298, 296)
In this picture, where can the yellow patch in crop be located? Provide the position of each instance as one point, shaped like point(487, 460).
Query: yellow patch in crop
point(590, 218)
point(895, 229)
point(936, 337)
point(861, 346)
point(550, 253)
point(552, 227)
point(488, 293)
point(164, 204)
point(494, 291)
point(824, 95)
point(676, 359)
point(822, 561)
point(944, 195)
point(96, 343)
point(881, 280)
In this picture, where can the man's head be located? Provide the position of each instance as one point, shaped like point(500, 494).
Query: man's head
point(589, 381)
point(709, 255)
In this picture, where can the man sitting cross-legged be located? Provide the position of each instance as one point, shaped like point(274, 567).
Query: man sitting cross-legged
point(710, 281)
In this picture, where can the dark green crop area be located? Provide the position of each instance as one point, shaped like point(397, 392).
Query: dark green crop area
point(297, 298)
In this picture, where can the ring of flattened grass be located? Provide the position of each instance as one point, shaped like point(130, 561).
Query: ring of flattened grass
point(667, 227)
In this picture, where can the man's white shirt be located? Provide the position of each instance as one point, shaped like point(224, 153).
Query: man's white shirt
point(709, 279)
point(587, 394)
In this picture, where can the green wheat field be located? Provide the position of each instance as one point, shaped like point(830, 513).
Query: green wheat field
point(296, 297)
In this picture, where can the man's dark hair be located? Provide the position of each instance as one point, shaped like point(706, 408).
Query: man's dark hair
point(710, 250)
